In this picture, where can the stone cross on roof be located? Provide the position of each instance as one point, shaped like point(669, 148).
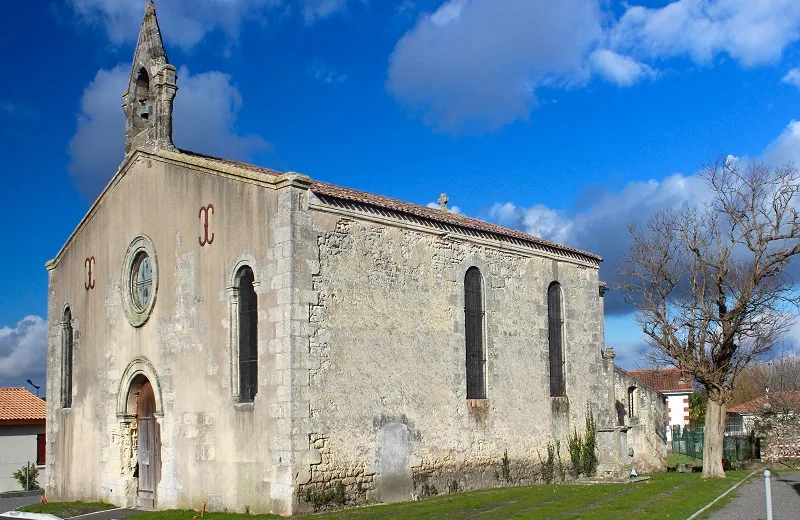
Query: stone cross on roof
point(443, 200)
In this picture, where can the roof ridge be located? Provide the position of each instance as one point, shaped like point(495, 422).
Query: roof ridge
point(447, 217)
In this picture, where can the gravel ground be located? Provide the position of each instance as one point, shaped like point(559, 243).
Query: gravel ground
point(750, 504)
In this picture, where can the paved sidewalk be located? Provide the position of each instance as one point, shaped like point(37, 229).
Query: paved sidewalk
point(9, 503)
point(750, 504)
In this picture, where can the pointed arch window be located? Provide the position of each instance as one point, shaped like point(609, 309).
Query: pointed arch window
point(248, 334)
point(555, 321)
point(67, 339)
point(474, 324)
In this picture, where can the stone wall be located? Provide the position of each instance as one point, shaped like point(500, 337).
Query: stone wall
point(779, 435)
point(646, 435)
point(213, 449)
point(362, 385)
point(387, 359)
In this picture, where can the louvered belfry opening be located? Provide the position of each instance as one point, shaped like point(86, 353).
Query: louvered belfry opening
point(248, 336)
point(556, 337)
point(473, 310)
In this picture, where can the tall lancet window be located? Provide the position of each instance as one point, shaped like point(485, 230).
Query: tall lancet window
point(67, 338)
point(474, 316)
point(555, 320)
point(248, 336)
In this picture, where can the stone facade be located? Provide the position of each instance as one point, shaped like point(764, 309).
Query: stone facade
point(778, 435)
point(361, 380)
point(642, 410)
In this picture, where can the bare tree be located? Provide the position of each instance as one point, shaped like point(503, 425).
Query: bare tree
point(710, 282)
point(780, 377)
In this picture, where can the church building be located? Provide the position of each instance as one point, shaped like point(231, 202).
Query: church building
point(259, 340)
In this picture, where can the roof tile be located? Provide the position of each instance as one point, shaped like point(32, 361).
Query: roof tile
point(19, 404)
point(781, 401)
point(665, 380)
point(446, 217)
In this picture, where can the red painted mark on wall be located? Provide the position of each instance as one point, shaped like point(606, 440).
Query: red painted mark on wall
point(204, 213)
point(89, 283)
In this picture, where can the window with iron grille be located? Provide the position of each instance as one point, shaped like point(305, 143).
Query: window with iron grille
point(556, 340)
point(474, 315)
point(248, 336)
point(67, 338)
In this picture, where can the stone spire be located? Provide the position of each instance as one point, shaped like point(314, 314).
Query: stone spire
point(151, 90)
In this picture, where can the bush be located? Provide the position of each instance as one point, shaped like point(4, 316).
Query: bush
point(589, 451)
point(548, 465)
point(332, 496)
point(30, 478)
point(575, 447)
point(506, 467)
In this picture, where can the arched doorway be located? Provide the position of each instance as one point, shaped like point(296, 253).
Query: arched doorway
point(148, 450)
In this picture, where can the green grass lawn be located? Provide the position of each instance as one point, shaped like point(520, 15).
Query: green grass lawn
point(668, 495)
point(673, 459)
point(67, 509)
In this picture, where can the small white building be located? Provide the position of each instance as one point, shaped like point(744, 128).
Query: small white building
point(22, 421)
point(674, 384)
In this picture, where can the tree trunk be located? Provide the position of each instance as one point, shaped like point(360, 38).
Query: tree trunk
point(714, 439)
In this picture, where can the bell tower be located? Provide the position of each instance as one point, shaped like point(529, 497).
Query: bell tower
point(151, 90)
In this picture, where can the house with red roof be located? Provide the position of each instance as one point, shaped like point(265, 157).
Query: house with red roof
point(742, 417)
point(22, 440)
point(677, 386)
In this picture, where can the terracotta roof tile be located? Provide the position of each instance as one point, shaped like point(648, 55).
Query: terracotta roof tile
point(666, 380)
point(19, 404)
point(424, 212)
point(781, 401)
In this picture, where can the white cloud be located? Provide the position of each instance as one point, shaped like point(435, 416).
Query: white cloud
point(448, 12)
point(314, 10)
point(186, 23)
point(538, 220)
point(98, 145)
point(751, 32)
point(602, 228)
point(622, 70)
point(792, 77)
point(785, 148)
point(453, 209)
point(320, 71)
point(23, 349)
point(406, 8)
point(474, 64)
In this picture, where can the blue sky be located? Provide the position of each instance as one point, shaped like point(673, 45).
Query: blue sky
point(569, 120)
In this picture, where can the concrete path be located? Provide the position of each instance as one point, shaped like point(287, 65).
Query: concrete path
point(750, 504)
point(9, 503)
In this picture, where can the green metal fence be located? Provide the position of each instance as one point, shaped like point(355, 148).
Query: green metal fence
point(736, 447)
point(687, 442)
